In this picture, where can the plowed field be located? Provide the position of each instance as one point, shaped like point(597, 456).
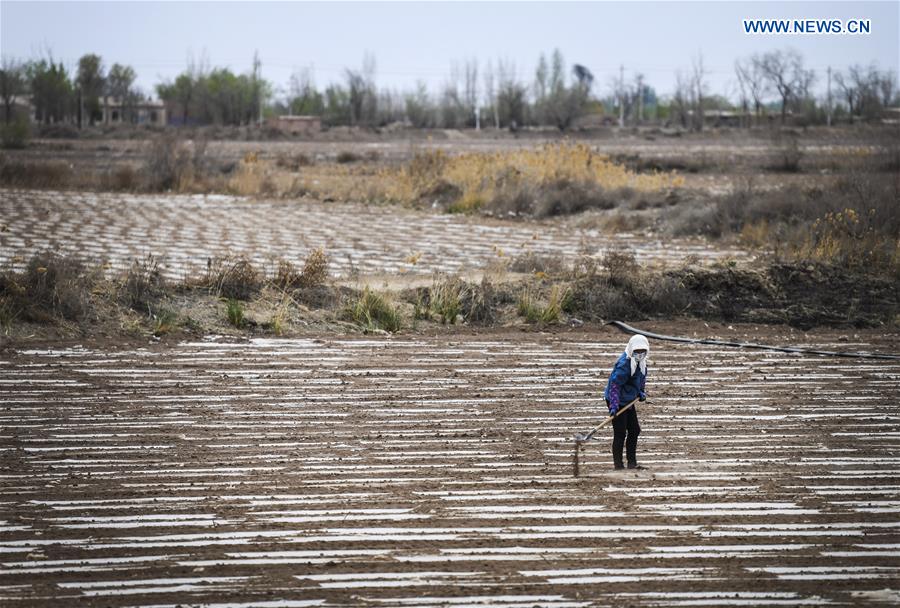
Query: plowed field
point(185, 231)
point(433, 471)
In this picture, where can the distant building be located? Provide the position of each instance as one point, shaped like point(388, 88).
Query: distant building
point(141, 112)
point(296, 125)
point(21, 107)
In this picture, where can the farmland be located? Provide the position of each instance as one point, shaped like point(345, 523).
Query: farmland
point(434, 470)
point(324, 461)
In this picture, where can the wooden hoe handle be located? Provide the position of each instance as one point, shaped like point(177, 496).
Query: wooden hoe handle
point(608, 420)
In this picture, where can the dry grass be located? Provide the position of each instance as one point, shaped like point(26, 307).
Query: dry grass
point(313, 274)
point(851, 221)
point(52, 285)
point(175, 164)
point(446, 298)
point(550, 180)
point(233, 278)
point(375, 312)
point(142, 282)
point(38, 174)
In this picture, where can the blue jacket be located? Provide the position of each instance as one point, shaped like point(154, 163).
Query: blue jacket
point(622, 387)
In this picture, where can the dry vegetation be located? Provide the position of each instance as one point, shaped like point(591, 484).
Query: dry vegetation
point(68, 294)
point(555, 179)
point(836, 235)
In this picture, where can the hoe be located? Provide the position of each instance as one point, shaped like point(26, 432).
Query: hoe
point(581, 438)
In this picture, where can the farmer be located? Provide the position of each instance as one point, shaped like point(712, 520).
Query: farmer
point(626, 383)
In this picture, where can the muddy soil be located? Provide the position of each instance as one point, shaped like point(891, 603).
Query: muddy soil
point(436, 470)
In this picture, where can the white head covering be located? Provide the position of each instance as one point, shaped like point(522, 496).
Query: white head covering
point(637, 342)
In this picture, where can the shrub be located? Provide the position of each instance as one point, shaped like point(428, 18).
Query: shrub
point(551, 313)
point(789, 153)
point(35, 174)
point(124, 179)
point(235, 313)
point(527, 306)
point(373, 311)
point(15, 134)
point(164, 321)
point(313, 274)
point(143, 282)
point(480, 302)
point(59, 284)
point(555, 179)
point(348, 157)
point(237, 279)
point(852, 240)
point(251, 178)
point(9, 312)
point(558, 197)
point(532, 262)
point(315, 269)
point(173, 164)
point(293, 162)
point(446, 298)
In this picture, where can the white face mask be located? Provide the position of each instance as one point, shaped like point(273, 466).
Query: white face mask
point(639, 356)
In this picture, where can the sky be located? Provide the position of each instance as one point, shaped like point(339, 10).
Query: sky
point(419, 41)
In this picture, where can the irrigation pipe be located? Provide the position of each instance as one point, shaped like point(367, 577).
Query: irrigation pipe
point(628, 329)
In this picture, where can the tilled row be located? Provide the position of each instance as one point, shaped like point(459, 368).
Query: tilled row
point(186, 231)
point(418, 472)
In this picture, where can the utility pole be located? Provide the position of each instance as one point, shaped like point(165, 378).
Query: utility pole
point(640, 100)
point(257, 68)
point(621, 88)
point(829, 96)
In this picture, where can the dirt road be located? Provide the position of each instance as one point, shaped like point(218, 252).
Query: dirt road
point(434, 470)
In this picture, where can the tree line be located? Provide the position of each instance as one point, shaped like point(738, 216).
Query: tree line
point(770, 86)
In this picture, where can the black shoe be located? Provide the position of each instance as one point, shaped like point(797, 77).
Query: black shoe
point(634, 465)
point(618, 466)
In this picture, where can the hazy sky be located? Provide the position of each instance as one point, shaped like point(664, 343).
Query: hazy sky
point(414, 41)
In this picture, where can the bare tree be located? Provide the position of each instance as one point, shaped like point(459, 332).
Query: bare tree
point(785, 72)
point(698, 89)
point(490, 93)
point(848, 92)
point(361, 90)
point(681, 99)
point(887, 87)
point(452, 112)
point(511, 96)
point(752, 79)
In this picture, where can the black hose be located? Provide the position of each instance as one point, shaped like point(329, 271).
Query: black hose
point(784, 349)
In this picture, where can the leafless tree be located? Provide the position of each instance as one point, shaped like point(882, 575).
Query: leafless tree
point(511, 96)
point(361, 91)
point(681, 99)
point(698, 89)
point(785, 72)
point(848, 92)
point(887, 87)
point(490, 94)
point(752, 80)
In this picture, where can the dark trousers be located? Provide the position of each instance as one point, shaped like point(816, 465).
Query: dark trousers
point(625, 434)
